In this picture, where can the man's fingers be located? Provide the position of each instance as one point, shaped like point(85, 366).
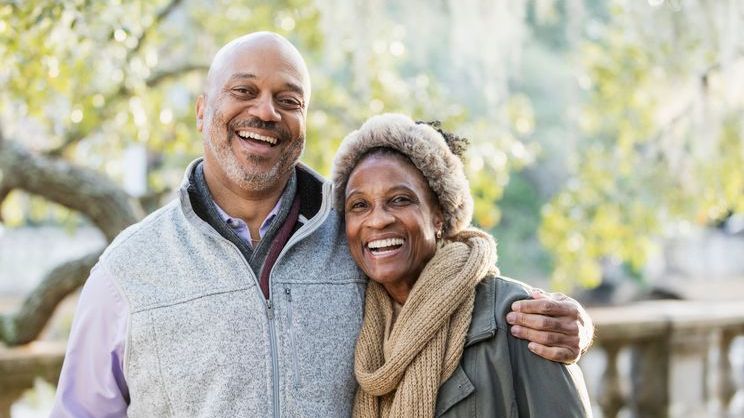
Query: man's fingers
point(538, 293)
point(553, 339)
point(553, 320)
point(546, 305)
point(544, 323)
point(558, 354)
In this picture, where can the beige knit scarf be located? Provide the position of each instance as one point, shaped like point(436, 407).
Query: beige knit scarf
point(400, 368)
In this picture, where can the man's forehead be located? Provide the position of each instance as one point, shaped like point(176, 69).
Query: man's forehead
point(245, 55)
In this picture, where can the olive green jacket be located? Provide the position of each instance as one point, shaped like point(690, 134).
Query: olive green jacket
point(499, 377)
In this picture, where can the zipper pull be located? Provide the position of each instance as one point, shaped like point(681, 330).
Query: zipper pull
point(288, 292)
point(269, 310)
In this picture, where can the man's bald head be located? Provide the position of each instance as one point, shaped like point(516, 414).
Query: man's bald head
point(253, 43)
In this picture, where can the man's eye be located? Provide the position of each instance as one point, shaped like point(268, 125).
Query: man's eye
point(241, 90)
point(290, 102)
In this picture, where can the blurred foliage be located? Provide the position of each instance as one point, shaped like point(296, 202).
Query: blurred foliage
point(661, 143)
point(617, 115)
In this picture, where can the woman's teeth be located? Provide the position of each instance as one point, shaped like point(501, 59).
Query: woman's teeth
point(385, 244)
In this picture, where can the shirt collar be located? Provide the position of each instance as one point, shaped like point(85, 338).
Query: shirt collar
point(237, 223)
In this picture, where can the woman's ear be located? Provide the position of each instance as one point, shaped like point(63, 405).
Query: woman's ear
point(438, 224)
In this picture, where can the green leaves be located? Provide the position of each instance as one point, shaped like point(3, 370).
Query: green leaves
point(662, 144)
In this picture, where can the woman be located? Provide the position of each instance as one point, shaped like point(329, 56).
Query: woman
point(434, 340)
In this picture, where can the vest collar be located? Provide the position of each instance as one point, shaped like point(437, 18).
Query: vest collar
point(314, 190)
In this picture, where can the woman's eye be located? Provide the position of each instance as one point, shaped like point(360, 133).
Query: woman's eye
point(357, 205)
point(400, 200)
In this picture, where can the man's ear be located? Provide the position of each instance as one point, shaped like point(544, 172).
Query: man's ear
point(200, 112)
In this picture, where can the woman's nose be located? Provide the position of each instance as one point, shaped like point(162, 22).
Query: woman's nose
point(380, 217)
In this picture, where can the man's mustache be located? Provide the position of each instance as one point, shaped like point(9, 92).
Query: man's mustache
point(279, 131)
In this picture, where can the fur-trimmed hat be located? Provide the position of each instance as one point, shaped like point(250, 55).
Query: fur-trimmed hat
point(427, 150)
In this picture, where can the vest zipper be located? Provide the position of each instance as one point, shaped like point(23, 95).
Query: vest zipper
point(292, 341)
point(274, 355)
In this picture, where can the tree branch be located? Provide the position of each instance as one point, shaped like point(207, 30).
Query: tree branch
point(74, 136)
point(162, 14)
point(108, 206)
point(174, 72)
point(704, 79)
point(5, 187)
point(4, 192)
point(28, 322)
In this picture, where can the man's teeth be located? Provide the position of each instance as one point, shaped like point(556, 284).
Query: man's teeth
point(253, 135)
point(382, 243)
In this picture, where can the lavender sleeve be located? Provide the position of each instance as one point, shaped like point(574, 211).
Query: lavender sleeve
point(92, 382)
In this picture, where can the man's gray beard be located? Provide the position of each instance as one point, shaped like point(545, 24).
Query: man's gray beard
point(260, 181)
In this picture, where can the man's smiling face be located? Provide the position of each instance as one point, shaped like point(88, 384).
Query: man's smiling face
point(252, 115)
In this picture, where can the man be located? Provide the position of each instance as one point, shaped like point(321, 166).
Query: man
point(240, 297)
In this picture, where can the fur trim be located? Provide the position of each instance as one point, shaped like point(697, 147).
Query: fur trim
point(428, 151)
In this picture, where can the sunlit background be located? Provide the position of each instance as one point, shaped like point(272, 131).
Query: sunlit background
point(606, 157)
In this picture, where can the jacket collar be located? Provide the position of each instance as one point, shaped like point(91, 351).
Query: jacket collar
point(483, 325)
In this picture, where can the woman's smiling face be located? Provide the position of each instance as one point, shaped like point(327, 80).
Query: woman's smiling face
point(391, 219)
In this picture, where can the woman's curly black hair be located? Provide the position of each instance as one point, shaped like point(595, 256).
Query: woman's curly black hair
point(457, 144)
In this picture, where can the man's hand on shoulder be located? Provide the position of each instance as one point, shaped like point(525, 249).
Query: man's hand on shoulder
point(558, 327)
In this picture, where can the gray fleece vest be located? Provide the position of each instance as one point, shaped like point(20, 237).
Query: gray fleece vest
point(204, 342)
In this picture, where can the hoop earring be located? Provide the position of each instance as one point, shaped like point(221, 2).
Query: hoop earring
point(439, 234)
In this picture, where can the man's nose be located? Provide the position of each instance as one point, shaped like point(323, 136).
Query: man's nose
point(263, 108)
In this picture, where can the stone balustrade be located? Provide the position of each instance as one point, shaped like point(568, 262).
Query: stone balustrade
point(678, 359)
point(657, 359)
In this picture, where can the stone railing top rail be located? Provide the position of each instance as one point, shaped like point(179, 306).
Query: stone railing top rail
point(653, 318)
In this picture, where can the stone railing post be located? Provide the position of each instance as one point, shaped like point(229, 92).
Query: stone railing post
point(610, 397)
point(733, 380)
point(722, 388)
point(649, 374)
